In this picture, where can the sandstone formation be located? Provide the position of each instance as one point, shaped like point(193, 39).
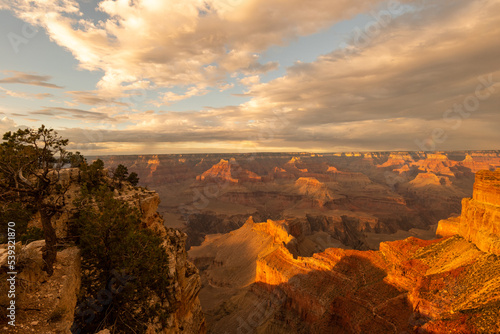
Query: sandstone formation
point(408, 286)
point(480, 218)
point(44, 304)
point(228, 171)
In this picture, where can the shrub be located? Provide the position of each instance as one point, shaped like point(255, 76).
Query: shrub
point(112, 241)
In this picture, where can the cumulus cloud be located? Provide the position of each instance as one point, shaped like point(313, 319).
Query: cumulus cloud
point(250, 80)
point(7, 124)
point(28, 79)
point(393, 82)
point(187, 42)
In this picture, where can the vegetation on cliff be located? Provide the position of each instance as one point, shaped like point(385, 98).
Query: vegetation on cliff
point(112, 243)
point(127, 283)
point(30, 161)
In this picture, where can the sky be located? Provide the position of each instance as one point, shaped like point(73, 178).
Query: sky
point(213, 76)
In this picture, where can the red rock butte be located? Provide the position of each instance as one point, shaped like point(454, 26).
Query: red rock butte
point(228, 171)
point(480, 218)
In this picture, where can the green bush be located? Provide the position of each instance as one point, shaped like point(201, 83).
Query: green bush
point(112, 241)
point(133, 179)
point(92, 176)
point(19, 213)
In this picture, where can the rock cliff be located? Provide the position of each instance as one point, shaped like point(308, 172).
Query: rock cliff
point(480, 218)
point(47, 304)
point(44, 304)
point(414, 286)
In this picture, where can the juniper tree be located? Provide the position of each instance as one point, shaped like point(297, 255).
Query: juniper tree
point(30, 161)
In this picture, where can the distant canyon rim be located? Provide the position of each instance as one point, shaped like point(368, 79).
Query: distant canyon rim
point(347, 200)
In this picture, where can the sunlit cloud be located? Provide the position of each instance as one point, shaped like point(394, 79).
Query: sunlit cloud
point(17, 77)
point(180, 43)
point(23, 95)
point(92, 98)
point(389, 84)
point(73, 113)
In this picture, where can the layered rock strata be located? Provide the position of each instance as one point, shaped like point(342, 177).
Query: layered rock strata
point(480, 218)
point(435, 286)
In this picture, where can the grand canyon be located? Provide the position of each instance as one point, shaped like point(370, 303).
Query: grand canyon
point(336, 243)
point(353, 200)
point(393, 242)
point(250, 166)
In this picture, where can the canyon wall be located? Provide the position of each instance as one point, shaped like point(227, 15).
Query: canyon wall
point(480, 218)
point(419, 286)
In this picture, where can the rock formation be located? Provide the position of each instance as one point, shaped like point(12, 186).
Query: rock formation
point(480, 218)
point(436, 286)
point(44, 304)
point(228, 171)
point(47, 304)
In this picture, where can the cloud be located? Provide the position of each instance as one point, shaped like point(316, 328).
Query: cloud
point(391, 84)
point(7, 124)
point(170, 97)
point(250, 80)
point(28, 79)
point(191, 42)
point(415, 70)
point(73, 113)
point(23, 95)
point(92, 98)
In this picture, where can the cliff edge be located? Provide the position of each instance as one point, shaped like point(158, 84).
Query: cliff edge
point(47, 304)
point(479, 222)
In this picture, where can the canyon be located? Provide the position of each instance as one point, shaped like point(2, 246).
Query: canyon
point(396, 242)
point(261, 279)
point(352, 200)
point(383, 242)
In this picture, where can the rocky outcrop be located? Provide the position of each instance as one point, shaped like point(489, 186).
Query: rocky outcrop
point(47, 304)
point(44, 304)
point(189, 317)
point(185, 278)
point(228, 171)
point(397, 160)
point(411, 285)
point(477, 161)
point(480, 218)
point(448, 227)
point(430, 179)
point(419, 286)
point(487, 187)
point(315, 189)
